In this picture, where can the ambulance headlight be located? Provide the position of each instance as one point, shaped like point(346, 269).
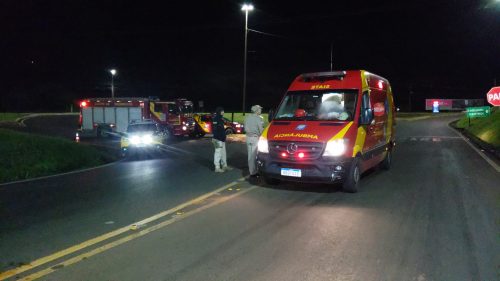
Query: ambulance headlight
point(262, 145)
point(335, 148)
point(135, 140)
point(147, 139)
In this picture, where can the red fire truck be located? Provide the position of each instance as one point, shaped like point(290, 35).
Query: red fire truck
point(111, 116)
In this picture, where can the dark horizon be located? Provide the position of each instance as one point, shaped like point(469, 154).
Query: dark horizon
point(56, 53)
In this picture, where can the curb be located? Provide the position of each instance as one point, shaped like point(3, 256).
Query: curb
point(486, 151)
point(21, 120)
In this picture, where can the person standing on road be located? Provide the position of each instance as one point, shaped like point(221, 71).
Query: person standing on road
point(254, 125)
point(219, 141)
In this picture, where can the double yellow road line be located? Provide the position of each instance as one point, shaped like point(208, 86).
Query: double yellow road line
point(137, 230)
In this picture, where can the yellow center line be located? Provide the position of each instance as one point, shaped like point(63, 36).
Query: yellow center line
point(130, 237)
point(106, 236)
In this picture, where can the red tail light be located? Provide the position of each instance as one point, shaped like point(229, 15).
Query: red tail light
point(301, 155)
point(83, 104)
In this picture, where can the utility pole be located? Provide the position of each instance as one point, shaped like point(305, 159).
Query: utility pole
point(410, 93)
point(246, 8)
point(331, 56)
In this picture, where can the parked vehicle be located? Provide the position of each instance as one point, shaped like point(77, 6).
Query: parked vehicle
point(106, 116)
point(330, 126)
point(204, 125)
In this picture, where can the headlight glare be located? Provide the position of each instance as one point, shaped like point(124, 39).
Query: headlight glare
point(262, 145)
point(147, 139)
point(135, 140)
point(335, 148)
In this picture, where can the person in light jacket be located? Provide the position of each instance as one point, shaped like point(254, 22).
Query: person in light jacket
point(254, 125)
point(219, 141)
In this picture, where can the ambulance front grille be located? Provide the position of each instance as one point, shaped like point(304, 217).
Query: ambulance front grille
point(291, 150)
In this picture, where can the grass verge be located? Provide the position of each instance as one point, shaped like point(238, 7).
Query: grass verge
point(411, 115)
point(487, 129)
point(238, 117)
point(25, 156)
point(8, 116)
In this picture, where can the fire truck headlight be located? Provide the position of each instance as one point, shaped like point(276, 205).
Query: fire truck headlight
point(262, 145)
point(135, 140)
point(147, 139)
point(335, 148)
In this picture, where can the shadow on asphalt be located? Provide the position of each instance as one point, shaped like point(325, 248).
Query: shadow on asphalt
point(297, 186)
point(309, 187)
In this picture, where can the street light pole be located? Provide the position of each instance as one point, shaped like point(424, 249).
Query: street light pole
point(246, 8)
point(113, 73)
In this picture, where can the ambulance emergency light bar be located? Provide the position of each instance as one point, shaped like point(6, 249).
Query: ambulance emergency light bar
point(321, 76)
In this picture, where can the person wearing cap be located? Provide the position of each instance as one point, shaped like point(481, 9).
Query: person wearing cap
point(254, 125)
point(219, 141)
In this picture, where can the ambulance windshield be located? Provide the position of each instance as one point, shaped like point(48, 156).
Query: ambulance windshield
point(338, 105)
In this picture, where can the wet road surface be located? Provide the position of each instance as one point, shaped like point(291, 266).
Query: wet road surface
point(433, 216)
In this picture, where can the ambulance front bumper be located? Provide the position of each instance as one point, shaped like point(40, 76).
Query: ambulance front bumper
point(321, 170)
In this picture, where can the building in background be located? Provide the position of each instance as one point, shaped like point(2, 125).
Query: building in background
point(453, 104)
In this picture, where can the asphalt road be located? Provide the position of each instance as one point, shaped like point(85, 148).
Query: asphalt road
point(433, 216)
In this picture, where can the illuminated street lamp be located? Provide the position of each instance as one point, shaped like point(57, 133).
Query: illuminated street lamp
point(246, 8)
point(113, 73)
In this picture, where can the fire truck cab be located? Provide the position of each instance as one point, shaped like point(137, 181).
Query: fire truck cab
point(111, 116)
point(329, 127)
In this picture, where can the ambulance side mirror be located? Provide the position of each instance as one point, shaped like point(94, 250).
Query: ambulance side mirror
point(270, 115)
point(366, 116)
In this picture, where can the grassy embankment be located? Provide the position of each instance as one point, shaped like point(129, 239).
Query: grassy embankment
point(487, 129)
point(26, 156)
point(238, 117)
point(9, 117)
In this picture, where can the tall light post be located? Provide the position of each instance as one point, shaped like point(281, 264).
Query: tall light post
point(246, 8)
point(113, 73)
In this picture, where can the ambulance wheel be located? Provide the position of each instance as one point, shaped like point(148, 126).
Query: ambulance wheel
point(352, 178)
point(386, 163)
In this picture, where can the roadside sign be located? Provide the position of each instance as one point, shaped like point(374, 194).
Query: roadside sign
point(477, 112)
point(494, 96)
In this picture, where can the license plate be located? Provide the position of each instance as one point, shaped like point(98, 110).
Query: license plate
point(291, 172)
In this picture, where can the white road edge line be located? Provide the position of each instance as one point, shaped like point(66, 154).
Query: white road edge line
point(22, 119)
point(488, 160)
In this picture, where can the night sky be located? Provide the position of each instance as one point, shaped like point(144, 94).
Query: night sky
point(54, 53)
